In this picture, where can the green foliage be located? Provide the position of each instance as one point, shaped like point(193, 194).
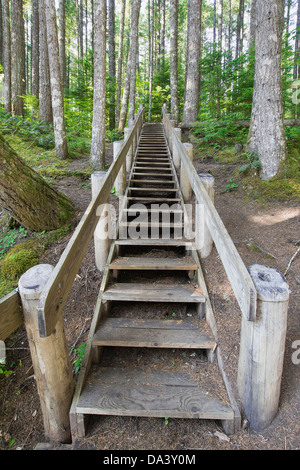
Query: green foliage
point(79, 357)
point(9, 239)
point(253, 163)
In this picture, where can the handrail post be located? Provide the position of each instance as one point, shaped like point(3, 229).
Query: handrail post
point(176, 155)
point(120, 182)
point(204, 240)
point(185, 184)
point(50, 358)
point(129, 155)
point(103, 228)
point(262, 348)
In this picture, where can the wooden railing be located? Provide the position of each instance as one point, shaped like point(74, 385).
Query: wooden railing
point(239, 277)
point(10, 314)
point(55, 293)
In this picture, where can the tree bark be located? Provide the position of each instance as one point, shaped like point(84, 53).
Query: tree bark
point(240, 29)
point(174, 59)
point(27, 196)
point(135, 14)
point(112, 63)
point(45, 112)
point(192, 87)
point(6, 55)
point(35, 50)
point(252, 22)
point(297, 46)
point(162, 36)
point(150, 41)
point(62, 42)
point(60, 137)
point(17, 52)
point(97, 159)
point(120, 60)
point(266, 135)
point(125, 96)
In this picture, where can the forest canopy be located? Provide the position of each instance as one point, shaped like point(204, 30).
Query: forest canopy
point(85, 66)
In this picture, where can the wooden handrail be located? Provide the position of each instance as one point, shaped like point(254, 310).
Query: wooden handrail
point(238, 275)
point(10, 314)
point(56, 291)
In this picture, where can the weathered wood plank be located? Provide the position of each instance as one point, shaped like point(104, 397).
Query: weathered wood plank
point(10, 315)
point(143, 395)
point(151, 334)
point(166, 264)
point(147, 293)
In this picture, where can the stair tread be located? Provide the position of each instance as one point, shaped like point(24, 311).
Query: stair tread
point(185, 263)
point(153, 293)
point(153, 333)
point(129, 391)
point(154, 242)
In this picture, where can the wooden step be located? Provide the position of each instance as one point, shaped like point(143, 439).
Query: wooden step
point(134, 180)
point(140, 392)
point(154, 242)
point(137, 167)
point(185, 263)
point(164, 190)
point(156, 175)
point(125, 332)
point(149, 224)
point(153, 293)
point(152, 210)
point(153, 199)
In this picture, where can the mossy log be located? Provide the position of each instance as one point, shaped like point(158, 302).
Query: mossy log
point(34, 203)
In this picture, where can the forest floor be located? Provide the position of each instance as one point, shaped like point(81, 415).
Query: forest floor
point(264, 233)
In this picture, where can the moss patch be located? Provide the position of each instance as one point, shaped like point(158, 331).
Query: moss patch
point(19, 259)
point(24, 255)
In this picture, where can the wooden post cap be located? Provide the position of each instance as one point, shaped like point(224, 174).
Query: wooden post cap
point(31, 283)
point(206, 176)
point(270, 284)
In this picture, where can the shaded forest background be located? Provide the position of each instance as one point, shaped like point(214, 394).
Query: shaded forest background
point(226, 65)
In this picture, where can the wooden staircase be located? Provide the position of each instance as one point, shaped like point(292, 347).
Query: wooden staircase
point(151, 349)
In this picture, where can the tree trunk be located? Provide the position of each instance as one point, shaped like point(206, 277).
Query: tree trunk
point(17, 64)
point(220, 24)
point(98, 130)
point(297, 46)
point(135, 14)
point(27, 196)
point(125, 97)
point(60, 137)
point(162, 36)
point(35, 50)
point(174, 59)
point(266, 135)
point(45, 113)
point(240, 29)
point(150, 40)
point(62, 42)
point(120, 60)
point(192, 88)
point(252, 22)
point(112, 63)
point(6, 55)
